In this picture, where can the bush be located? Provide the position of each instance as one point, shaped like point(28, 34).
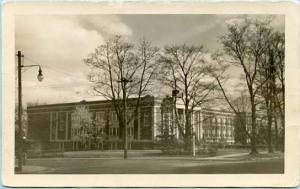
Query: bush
point(209, 149)
point(170, 145)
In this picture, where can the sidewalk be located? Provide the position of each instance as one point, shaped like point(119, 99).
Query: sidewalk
point(110, 153)
point(156, 154)
point(224, 157)
point(244, 156)
point(26, 169)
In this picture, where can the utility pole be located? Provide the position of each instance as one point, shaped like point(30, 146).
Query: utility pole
point(124, 82)
point(19, 137)
point(40, 77)
point(174, 96)
point(193, 142)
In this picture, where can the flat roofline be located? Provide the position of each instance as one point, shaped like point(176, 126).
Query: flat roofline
point(85, 102)
point(215, 110)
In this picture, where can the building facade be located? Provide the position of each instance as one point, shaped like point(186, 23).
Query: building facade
point(87, 125)
point(94, 125)
point(207, 125)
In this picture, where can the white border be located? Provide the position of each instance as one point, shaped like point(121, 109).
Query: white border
point(289, 178)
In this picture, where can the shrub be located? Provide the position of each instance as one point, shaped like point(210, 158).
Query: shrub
point(209, 149)
point(169, 145)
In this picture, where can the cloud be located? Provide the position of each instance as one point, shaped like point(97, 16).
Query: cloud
point(58, 44)
point(277, 21)
point(106, 25)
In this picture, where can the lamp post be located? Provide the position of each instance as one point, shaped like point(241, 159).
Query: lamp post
point(175, 92)
point(193, 142)
point(40, 77)
point(124, 82)
point(174, 96)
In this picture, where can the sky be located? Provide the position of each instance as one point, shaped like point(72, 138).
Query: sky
point(59, 43)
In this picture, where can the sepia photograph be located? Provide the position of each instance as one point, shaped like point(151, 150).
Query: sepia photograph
point(155, 94)
point(143, 94)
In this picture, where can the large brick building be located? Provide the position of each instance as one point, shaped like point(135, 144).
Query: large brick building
point(58, 125)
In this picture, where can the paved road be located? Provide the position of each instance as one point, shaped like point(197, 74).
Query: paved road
point(156, 166)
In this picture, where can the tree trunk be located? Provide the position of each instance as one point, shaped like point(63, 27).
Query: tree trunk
point(187, 137)
point(276, 134)
point(253, 125)
point(270, 149)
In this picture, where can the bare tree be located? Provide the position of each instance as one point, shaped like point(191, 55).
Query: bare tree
point(278, 47)
point(185, 65)
point(238, 100)
point(118, 60)
point(244, 45)
point(242, 107)
point(271, 71)
point(266, 76)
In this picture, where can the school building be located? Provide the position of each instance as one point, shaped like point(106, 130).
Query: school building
point(94, 124)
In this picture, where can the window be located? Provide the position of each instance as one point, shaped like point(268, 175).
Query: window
point(218, 121)
point(75, 122)
point(205, 120)
point(99, 116)
point(116, 132)
point(61, 122)
point(130, 131)
point(214, 121)
point(113, 116)
point(147, 119)
point(100, 131)
point(129, 114)
point(113, 132)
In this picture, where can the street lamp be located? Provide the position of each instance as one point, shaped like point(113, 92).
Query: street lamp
point(40, 77)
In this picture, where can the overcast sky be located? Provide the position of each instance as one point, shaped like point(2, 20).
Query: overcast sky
point(59, 44)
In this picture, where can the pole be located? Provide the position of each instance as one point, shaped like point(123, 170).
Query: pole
point(173, 111)
point(174, 96)
point(193, 135)
point(125, 119)
point(124, 82)
point(194, 145)
point(20, 147)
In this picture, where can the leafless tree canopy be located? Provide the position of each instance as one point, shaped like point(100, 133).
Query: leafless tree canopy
point(251, 45)
point(184, 68)
point(117, 59)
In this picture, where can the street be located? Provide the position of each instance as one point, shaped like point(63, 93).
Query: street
point(151, 165)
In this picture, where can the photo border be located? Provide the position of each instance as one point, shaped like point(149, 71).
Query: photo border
point(289, 178)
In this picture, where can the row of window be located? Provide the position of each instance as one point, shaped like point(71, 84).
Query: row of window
point(218, 130)
point(219, 121)
point(206, 119)
point(113, 132)
point(217, 135)
point(100, 117)
point(215, 127)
